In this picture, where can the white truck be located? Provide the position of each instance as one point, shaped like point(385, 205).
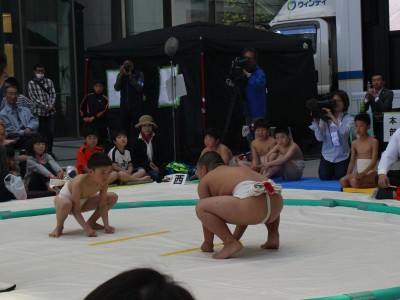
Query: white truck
point(335, 29)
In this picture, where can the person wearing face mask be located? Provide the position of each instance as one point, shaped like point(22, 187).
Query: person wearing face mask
point(41, 90)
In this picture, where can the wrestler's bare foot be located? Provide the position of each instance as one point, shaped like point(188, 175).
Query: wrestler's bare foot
point(56, 232)
point(272, 242)
point(207, 247)
point(229, 250)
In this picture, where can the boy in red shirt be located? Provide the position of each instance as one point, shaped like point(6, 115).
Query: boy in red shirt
point(87, 150)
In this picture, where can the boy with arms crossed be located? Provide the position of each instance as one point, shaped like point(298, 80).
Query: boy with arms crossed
point(85, 192)
point(234, 195)
point(262, 144)
point(364, 153)
point(285, 159)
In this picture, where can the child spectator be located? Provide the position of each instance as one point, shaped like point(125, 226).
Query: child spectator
point(86, 192)
point(148, 149)
point(93, 111)
point(41, 167)
point(87, 150)
point(285, 159)
point(212, 140)
point(364, 154)
point(262, 144)
point(121, 160)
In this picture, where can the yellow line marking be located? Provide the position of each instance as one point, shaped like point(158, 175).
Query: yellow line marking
point(129, 238)
point(187, 250)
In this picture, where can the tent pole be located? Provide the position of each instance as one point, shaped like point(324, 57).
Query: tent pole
point(203, 92)
point(173, 93)
point(203, 86)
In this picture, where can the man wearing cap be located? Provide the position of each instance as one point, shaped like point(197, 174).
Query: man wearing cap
point(148, 149)
point(129, 83)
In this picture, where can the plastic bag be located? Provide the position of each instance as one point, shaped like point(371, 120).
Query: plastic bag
point(15, 185)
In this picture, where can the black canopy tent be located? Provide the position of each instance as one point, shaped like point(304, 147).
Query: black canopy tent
point(204, 56)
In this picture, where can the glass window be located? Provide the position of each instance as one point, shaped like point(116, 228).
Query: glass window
point(40, 10)
point(308, 32)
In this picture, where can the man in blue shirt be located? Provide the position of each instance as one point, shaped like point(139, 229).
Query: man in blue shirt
point(19, 122)
point(255, 105)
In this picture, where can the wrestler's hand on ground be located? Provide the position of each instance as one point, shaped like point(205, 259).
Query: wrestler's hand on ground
point(383, 181)
point(109, 229)
point(90, 232)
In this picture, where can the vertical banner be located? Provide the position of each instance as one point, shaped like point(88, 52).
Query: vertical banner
point(391, 121)
point(113, 95)
point(165, 85)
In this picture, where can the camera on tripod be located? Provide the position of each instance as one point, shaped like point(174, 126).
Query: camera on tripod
point(316, 107)
point(236, 71)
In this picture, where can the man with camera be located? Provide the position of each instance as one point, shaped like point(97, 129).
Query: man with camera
point(255, 106)
point(130, 82)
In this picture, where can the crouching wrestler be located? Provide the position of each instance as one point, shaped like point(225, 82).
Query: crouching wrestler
point(235, 195)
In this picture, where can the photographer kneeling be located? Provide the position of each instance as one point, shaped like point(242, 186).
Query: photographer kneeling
point(333, 130)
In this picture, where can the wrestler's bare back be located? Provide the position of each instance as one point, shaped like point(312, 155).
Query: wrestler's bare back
point(222, 180)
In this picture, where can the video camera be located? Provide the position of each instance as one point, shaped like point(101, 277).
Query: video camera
point(236, 71)
point(316, 107)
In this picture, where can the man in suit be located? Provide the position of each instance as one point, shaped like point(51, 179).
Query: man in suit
point(380, 100)
point(378, 97)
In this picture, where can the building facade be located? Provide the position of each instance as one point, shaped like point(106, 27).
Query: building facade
point(57, 32)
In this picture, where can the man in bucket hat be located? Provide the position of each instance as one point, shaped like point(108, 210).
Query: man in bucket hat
point(148, 149)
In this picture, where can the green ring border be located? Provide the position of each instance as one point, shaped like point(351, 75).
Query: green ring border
point(382, 294)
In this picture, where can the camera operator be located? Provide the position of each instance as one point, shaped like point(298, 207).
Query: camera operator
point(333, 130)
point(252, 87)
point(130, 83)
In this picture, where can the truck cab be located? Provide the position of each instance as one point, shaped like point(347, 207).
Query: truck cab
point(320, 33)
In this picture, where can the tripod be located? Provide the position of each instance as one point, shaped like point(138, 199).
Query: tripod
point(235, 92)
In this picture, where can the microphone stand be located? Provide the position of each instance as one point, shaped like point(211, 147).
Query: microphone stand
point(173, 94)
